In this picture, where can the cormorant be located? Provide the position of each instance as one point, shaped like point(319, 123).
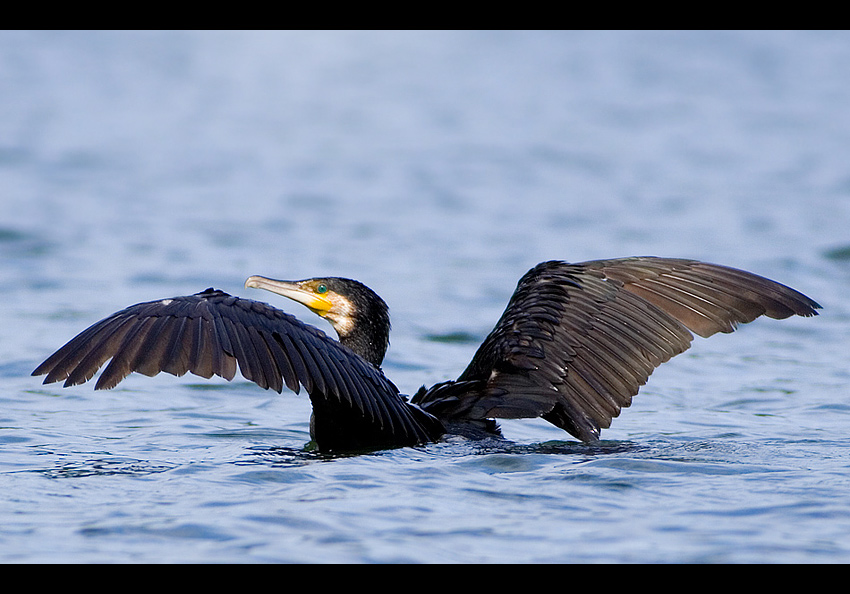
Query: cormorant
point(573, 346)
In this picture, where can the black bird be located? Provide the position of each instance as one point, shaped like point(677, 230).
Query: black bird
point(573, 346)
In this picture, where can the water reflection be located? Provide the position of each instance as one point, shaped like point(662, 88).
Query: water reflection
point(451, 446)
point(107, 466)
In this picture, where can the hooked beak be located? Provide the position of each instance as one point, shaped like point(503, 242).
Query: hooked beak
point(293, 290)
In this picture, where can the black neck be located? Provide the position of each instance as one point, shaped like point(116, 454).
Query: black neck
point(370, 336)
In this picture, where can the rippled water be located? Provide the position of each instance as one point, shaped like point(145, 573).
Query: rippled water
point(437, 168)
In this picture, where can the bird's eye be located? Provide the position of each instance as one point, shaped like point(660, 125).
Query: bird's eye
point(321, 289)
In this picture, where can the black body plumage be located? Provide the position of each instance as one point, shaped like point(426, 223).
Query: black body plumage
point(573, 346)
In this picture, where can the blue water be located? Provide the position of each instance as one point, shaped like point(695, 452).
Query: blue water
point(437, 168)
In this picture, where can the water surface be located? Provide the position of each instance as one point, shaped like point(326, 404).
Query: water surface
point(437, 168)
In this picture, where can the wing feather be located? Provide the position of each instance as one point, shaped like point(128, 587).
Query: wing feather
point(211, 333)
point(577, 341)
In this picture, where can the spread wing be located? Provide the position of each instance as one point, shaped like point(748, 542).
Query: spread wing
point(211, 332)
point(577, 341)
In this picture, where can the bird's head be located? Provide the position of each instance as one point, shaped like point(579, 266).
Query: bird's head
point(358, 315)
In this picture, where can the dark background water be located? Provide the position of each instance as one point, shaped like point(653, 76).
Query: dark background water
point(437, 167)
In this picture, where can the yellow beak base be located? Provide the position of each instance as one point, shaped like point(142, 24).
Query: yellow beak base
point(294, 290)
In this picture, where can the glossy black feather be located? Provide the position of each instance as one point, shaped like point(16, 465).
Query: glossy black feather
point(211, 332)
point(574, 345)
point(577, 341)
